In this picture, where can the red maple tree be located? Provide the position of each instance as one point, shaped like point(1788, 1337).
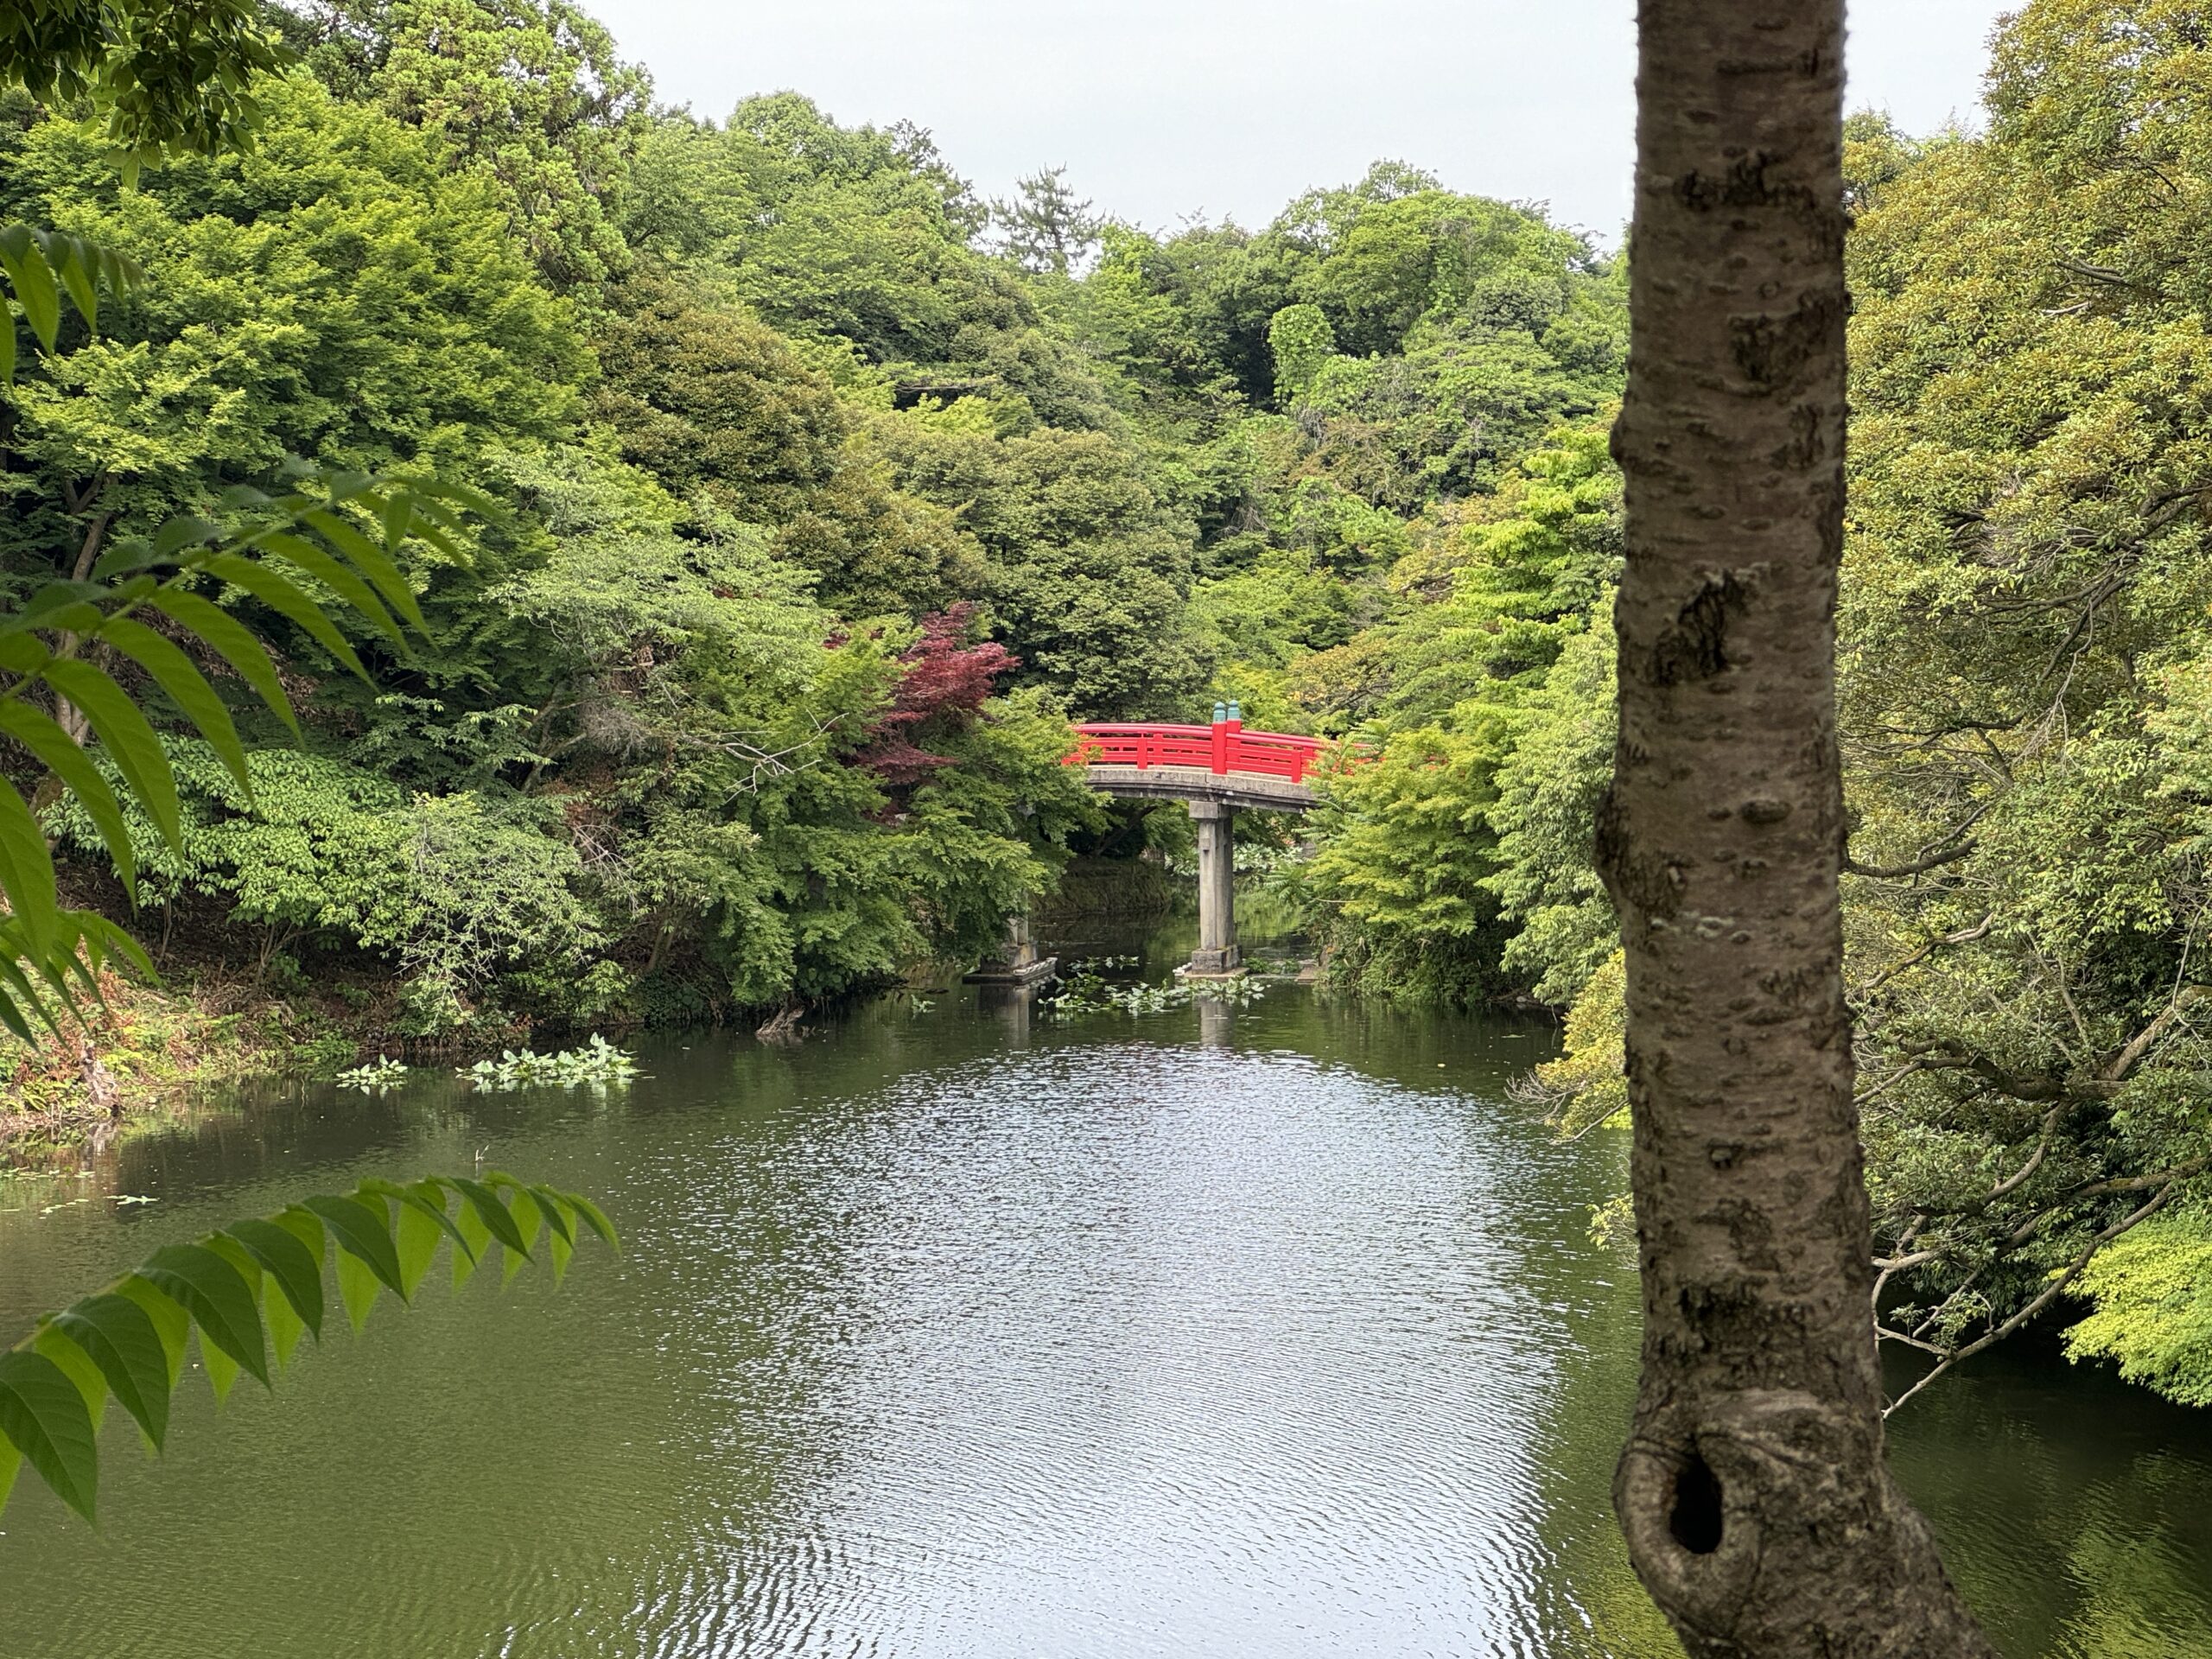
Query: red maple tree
point(942, 684)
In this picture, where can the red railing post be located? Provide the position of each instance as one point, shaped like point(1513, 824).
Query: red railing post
point(1219, 736)
point(1233, 747)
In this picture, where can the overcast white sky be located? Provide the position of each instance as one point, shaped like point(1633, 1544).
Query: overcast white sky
point(1164, 108)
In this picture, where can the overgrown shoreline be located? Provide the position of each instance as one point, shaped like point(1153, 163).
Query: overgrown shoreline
point(148, 1055)
point(145, 1056)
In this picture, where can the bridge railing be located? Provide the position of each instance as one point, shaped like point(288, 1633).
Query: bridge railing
point(1222, 747)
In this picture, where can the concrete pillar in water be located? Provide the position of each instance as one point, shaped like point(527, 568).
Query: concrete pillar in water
point(1216, 952)
point(1017, 962)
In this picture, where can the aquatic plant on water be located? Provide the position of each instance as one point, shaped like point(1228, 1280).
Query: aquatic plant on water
point(598, 1063)
point(380, 1074)
point(1084, 992)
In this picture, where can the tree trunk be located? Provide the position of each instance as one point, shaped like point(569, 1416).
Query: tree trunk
point(101, 1094)
point(1757, 1503)
point(66, 715)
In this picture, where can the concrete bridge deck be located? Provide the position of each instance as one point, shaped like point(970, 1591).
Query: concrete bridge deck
point(1246, 789)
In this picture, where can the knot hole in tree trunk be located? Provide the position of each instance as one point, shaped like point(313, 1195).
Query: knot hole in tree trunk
point(1694, 1516)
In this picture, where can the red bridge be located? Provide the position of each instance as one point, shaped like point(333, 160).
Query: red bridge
point(1214, 769)
point(1220, 762)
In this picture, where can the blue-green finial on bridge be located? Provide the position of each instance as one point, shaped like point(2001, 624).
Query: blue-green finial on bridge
point(1220, 713)
point(1235, 713)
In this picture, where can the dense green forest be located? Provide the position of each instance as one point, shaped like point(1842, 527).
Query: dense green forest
point(830, 492)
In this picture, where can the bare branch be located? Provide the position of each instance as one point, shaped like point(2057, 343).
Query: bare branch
point(2131, 1054)
point(2051, 1294)
point(1964, 935)
point(1917, 867)
point(1947, 849)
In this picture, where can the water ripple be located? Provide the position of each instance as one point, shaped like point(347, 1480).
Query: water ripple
point(946, 1341)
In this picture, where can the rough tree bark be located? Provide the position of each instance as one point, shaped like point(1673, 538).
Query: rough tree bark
point(1758, 1509)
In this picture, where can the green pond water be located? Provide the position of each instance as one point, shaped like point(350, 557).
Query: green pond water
point(965, 1333)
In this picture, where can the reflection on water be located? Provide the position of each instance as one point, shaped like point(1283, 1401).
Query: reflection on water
point(2076, 1508)
point(966, 1332)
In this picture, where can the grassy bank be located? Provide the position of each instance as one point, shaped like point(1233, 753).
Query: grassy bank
point(146, 1053)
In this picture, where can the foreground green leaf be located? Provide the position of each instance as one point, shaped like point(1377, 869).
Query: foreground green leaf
point(297, 1269)
point(219, 1300)
point(42, 1414)
point(258, 1281)
point(119, 1337)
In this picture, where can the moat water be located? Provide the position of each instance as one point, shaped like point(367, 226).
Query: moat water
point(963, 1332)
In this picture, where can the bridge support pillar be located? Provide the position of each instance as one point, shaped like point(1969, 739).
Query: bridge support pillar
point(1016, 962)
point(1216, 952)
